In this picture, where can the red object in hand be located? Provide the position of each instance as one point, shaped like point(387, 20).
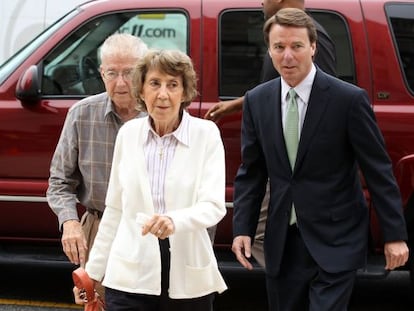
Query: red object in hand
point(84, 283)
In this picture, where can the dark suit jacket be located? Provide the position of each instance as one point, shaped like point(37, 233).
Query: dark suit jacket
point(339, 136)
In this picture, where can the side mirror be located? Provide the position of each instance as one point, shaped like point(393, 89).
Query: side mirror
point(28, 86)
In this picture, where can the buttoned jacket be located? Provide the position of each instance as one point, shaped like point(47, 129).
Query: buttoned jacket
point(339, 139)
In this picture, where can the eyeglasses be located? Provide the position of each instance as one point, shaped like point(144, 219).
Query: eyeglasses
point(111, 75)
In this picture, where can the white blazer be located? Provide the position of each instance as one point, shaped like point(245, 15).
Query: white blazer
point(195, 200)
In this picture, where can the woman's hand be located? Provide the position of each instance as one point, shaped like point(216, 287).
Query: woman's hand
point(159, 225)
point(80, 297)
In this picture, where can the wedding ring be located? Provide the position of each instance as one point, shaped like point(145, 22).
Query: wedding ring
point(159, 232)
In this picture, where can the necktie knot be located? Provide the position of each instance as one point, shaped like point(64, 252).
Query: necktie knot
point(292, 99)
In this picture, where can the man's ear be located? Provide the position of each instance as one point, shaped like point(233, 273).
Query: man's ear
point(101, 71)
point(313, 46)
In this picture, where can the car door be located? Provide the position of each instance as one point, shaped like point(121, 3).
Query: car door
point(51, 73)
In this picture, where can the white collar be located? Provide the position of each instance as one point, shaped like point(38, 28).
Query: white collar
point(303, 89)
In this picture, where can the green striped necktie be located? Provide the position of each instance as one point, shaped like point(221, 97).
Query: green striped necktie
point(291, 133)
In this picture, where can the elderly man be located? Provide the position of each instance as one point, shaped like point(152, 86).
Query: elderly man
point(82, 160)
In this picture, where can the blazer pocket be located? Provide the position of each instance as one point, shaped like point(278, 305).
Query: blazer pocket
point(128, 274)
point(198, 279)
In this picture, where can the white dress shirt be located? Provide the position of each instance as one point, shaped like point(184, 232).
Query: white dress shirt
point(303, 90)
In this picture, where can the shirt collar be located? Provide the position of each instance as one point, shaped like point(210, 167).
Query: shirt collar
point(303, 89)
point(181, 133)
point(109, 109)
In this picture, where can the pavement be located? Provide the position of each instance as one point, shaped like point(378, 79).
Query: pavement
point(30, 305)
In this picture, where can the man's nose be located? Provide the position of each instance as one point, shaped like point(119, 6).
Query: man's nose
point(288, 54)
point(120, 79)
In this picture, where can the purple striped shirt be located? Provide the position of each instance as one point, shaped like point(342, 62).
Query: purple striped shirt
point(159, 152)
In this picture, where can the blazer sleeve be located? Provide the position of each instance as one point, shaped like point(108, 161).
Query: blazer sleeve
point(205, 204)
point(376, 166)
point(251, 178)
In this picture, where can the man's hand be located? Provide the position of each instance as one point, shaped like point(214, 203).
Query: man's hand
point(396, 254)
point(224, 108)
point(242, 249)
point(74, 242)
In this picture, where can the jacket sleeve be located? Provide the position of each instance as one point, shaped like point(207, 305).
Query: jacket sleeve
point(207, 200)
point(375, 164)
point(251, 178)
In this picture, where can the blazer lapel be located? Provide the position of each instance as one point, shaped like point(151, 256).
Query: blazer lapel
point(274, 114)
point(280, 138)
point(140, 171)
point(317, 104)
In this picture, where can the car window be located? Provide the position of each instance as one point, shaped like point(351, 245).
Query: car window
point(338, 30)
point(401, 20)
point(72, 68)
point(241, 51)
point(242, 48)
point(11, 64)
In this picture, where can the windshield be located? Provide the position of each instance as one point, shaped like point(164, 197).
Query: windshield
point(15, 60)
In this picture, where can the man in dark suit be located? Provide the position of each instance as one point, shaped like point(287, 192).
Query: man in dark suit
point(310, 143)
point(325, 58)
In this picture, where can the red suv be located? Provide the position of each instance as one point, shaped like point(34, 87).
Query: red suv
point(375, 50)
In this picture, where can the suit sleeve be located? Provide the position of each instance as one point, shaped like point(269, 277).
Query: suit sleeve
point(375, 164)
point(251, 178)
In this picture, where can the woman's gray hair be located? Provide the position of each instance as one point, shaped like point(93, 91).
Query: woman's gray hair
point(171, 62)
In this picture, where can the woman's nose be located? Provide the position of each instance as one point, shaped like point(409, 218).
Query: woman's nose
point(163, 91)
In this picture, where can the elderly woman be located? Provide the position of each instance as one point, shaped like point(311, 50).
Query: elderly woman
point(152, 249)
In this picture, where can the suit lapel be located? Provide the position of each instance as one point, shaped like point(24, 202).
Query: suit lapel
point(275, 119)
point(317, 104)
point(280, 139)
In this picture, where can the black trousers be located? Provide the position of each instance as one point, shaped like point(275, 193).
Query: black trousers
point(303, 286)
point(116, 300)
